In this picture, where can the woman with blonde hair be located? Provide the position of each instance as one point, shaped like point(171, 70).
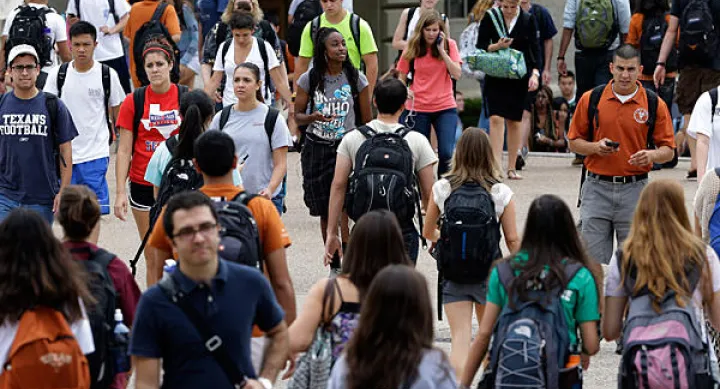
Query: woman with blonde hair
point(473, 164)
point(661, 254)
point(428, 66)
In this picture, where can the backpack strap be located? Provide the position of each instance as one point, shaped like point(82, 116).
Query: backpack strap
point(355, 30)
point(269, 124)
point(101, 256)
point(592, 113)
point(244, 198)
point(505, 273)
point(105, 70)
point(571, 270)
point(61, 76)
point(77, 8)
point(366, 131)
point(314, 27)
point(139, 108)
point(159, 11)
point(225, 116)
point(264, 56)
point(182, 89)
point(411, 13)
point(214, 345)
point(111, 4)
point(652, 98)
point(51, 104)
point(225, 49)
point(403, 131)
point(713, 103)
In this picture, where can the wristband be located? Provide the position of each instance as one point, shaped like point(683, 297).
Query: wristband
point(660, 64)
point(560, 58)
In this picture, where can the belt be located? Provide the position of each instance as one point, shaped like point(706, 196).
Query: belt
point(619, 179)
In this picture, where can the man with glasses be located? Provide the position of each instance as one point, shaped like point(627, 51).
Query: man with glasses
point(210, 296)
point(215, 158)
point(36, 131)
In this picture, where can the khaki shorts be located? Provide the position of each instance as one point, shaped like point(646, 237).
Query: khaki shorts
point(692, 83)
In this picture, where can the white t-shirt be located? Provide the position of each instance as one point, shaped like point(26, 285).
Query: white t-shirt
point(706, 120)
point(500, 193)
point(81, 329)
point(347, 4)
point(613, 284)
point(229, 97)
point(55, 23)
point(83, 95)
point(97, 13)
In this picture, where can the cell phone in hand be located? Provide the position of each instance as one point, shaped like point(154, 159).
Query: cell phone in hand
point(612, 144)
point(438, 40)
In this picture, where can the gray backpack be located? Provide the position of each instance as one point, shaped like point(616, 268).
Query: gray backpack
point(530, 345)
point(665, 349)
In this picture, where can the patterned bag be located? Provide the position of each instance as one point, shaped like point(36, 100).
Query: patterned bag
point(313, 368)
point(504, 63)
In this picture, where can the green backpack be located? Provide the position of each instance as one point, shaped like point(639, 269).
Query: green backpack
point(596, 24)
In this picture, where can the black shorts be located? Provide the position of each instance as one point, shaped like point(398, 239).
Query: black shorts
point(318, 169)
point(141, 196)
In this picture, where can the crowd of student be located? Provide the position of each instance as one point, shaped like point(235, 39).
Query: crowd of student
point(203, 173)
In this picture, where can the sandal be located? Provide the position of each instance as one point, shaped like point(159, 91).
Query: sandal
point(513, 175)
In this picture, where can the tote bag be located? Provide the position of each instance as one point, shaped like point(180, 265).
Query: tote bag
point(504, 63)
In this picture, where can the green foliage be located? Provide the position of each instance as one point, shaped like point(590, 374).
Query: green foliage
point(471, 115)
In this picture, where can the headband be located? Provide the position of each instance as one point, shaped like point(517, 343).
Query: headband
point(149, 49)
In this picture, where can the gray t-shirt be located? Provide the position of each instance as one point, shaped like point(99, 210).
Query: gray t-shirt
point(434, 372)
point(248, 131)
point(336, 101)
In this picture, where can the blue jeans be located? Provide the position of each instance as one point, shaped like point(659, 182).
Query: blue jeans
point(445, 123)
point(7, 205)
point(278, 203)
point(412, 243)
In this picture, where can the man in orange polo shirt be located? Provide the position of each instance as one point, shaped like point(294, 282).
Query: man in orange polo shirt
point(618, 154)
point(215, 158)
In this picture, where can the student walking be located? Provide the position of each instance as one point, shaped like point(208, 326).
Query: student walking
point(409, 19)
point(392, 346)
point(259, 133)
point(332, 99)
point(147, 118)
point(390, 97)
point(35, 143)
point(428, 66)
point(472, 182)
point(662, 259)
point(92, 92)
point(622, 129)
point(109, 17)
point(42, 295)
point(79, 216)
point(704, 120)
point(226, 299)
point(506, 97)
point(551, 270)
point(376, 242)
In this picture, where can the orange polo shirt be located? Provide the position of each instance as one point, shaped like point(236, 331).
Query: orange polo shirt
point(625, 123)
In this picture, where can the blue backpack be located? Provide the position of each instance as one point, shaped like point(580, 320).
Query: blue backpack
point(714, 225)
point(530, 345)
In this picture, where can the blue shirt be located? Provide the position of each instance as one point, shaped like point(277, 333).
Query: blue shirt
point(237, 298)
point(28, 168)
point(545, 29)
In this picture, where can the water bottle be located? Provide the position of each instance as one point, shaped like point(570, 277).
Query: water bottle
point(122, 340)
point(170, 266)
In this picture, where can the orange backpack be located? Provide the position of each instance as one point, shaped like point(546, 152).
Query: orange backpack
point(45, 354)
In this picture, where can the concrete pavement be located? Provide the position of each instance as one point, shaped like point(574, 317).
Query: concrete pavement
point(543, 175)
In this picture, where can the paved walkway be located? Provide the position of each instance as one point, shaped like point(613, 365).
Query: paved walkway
point(543, 175)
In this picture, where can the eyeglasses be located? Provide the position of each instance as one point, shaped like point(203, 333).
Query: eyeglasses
point(187, 234)
point(23, 68)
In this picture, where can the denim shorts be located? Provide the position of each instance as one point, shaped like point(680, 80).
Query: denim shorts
point(453, 292)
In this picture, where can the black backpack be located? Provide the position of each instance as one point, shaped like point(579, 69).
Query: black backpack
point(469, 235)
point(29, 27)
point(653, 31)
point(383, 177)
point(267, 90)
point(150, 31)
point(239, 234)
point(101, 316)
point(139, 107)
point(62, 74)
point(306, 11)
point(179, 175)
point(698, 34)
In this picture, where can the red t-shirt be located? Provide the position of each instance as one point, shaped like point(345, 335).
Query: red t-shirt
point(161, 119)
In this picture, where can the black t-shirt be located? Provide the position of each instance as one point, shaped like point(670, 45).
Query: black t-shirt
point(685, 58)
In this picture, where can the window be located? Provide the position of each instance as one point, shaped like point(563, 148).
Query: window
point(458, 8)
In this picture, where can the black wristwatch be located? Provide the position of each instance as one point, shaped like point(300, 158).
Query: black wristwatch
point(660, 64)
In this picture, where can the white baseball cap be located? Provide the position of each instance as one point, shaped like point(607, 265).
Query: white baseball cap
point(19, 50)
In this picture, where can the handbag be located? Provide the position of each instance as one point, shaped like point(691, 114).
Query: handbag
point(313, 368)
point(503, 63)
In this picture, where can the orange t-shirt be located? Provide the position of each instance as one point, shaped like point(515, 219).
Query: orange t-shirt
point(270, 227)
point(633, 38)
point(141, 13)
point(625, 123)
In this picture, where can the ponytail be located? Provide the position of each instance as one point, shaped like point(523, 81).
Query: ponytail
point(195, 107)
